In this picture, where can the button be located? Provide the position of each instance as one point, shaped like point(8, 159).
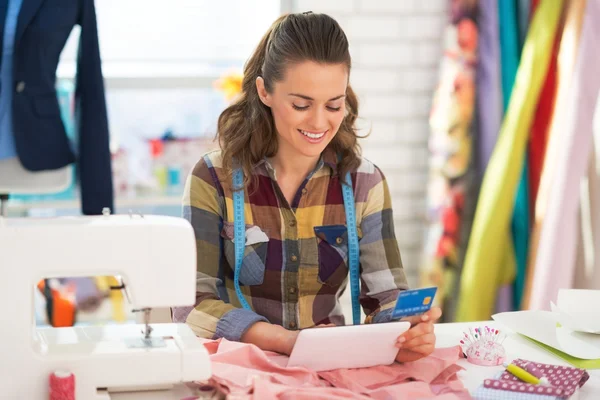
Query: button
point(292, 290)
point(339, 240)
point(304, 191)
point(292, 223)
point(294, 258)
point(20, 87)
point(292, 325)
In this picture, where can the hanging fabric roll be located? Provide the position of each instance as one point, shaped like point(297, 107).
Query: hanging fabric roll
point(490, 234)
point(536, 153)
point(510, 51)
point(489, 93)
point(587, 266)
point(450, 145)
point(556, 253)
point(569, 49)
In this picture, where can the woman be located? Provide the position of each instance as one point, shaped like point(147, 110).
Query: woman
point(292, 133)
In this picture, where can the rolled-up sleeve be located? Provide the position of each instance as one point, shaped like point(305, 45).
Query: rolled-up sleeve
point(211, 317)
point(382, 273)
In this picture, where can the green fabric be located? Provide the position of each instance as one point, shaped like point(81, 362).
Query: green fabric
point(574, 361)
point(484, 262)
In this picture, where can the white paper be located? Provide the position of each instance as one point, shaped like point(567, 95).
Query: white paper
point(578, 309)
point(542, 326)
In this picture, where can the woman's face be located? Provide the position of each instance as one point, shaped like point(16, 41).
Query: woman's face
point(308, 106)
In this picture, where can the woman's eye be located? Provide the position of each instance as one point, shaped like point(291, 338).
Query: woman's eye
point(334, 108)
point(299, 108)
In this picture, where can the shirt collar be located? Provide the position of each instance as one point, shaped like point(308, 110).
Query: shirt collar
point(328, 158)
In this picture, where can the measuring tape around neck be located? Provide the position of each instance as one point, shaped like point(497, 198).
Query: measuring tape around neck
point(353, 249)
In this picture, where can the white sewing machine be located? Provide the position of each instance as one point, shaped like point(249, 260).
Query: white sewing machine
point(156, 258)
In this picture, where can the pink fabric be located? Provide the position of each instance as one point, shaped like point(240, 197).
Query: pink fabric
point(246, 372)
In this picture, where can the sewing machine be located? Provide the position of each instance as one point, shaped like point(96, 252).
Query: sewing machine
point(156, 258)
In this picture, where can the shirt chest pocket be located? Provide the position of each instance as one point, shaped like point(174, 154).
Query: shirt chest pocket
point(332, 248)
point(253, 267)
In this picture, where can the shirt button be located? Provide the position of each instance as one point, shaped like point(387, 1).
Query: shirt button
point(294, 258)
point(304, 191)
point(20, 87)
point(292, 325)
point(292, 223)
point(339, 240)
point(292, 290)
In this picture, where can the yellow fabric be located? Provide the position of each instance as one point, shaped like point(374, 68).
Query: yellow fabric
point(485, 261)
point(567, 54)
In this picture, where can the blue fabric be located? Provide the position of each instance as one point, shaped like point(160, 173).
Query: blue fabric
point(515, 23)
point(524, 10)
point(520, 232)
point(510, 57)
point(7, 142)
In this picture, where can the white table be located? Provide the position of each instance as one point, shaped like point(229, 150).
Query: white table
point(516, 347)
point(447, 335)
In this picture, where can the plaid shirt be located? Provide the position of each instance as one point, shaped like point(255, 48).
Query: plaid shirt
point(295, 264)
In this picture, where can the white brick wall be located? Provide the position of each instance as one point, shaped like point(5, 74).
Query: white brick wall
point(396, 47)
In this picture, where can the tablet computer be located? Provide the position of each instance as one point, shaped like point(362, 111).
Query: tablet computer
point(351, 346)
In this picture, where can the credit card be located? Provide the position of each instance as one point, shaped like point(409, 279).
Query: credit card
point(414, 302)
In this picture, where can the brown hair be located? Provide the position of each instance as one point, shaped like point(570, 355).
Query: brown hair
point(246, 131)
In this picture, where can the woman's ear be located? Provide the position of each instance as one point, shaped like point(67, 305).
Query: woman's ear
point(264, 96)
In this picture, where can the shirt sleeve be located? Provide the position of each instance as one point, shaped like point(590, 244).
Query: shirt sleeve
point(211, 317)
point(382, 273)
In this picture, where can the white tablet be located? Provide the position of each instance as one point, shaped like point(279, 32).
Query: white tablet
point(351, 346)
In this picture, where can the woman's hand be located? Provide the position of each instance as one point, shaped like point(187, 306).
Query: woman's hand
point(419, 340)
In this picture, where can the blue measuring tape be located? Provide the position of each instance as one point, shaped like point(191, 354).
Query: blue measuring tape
point(353, 249)
point(239, 229)
point(239, 226)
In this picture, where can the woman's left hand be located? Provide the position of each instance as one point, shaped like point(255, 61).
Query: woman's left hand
point(419, 340)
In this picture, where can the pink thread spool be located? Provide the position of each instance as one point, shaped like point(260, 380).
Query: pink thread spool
point(484, 346)
point(62, 386)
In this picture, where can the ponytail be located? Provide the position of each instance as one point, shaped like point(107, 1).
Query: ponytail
point(245, 129)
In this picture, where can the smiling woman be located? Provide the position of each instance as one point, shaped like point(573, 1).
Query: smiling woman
point(291, 132)
point(296, 80)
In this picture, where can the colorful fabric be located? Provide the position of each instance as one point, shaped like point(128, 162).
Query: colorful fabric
point(536, 152)
point(243, 371)
point(450, 145)
point(485, 262)
point(540, 127)
point(555, 263)
point(564, 381)
point(295, 264)
point(569, 48)
point(489, 93)
point(510, 49)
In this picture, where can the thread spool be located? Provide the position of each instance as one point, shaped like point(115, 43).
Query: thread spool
point(62, 385)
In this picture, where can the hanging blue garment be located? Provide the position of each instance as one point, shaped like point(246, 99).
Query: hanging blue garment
point(520, 221)
point(510, 56)
point(7, 142)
